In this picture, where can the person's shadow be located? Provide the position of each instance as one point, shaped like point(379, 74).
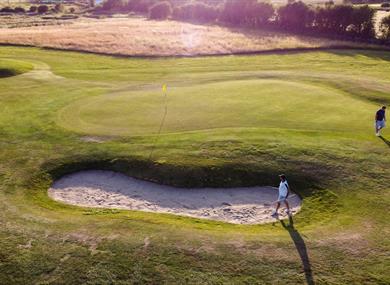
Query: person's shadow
point(385, 141)
point(301, 248)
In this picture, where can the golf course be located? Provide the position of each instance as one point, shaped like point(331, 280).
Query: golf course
point(192, 123)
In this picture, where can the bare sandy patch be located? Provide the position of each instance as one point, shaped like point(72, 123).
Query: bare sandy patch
point(106, 189)
point(93, 139)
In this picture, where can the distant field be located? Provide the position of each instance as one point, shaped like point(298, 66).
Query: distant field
point(138, 36)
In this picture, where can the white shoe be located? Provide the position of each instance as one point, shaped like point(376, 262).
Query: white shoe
point(274, 214)
point(378, 134)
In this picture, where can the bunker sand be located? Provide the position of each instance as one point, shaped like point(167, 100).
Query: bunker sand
point(106, 189)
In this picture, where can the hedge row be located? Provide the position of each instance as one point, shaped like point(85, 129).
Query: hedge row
point(342, 21)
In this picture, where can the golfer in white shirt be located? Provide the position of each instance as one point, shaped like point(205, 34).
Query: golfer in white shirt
point(284, 191)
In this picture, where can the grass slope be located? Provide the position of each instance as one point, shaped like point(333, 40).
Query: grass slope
point(12, 67)
point(231, 121)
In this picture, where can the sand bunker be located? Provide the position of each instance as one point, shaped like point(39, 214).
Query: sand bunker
point(106, 189)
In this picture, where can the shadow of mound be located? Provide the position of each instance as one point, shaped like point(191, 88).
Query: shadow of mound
point(189, 176)
point(5, 72)
point(381, 53)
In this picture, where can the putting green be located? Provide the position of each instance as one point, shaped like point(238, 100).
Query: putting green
point(257, 103)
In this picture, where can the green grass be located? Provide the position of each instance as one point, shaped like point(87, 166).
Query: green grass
point(236, 120)
point(13, 67)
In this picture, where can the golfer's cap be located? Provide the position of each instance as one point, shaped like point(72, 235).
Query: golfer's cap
point(282, 176)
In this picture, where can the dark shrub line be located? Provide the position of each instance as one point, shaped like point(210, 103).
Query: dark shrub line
point(344, 22)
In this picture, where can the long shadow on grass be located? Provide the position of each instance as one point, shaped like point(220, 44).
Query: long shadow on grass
point(385, 141)
point(301, 248)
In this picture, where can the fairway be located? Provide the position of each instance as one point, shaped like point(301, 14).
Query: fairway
point(225, 121)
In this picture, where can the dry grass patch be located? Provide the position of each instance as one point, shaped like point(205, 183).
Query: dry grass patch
point(142, 37)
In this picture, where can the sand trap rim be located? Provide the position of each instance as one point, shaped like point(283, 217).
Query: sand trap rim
point(14, 67)
point(185, 176)
point(112, 190)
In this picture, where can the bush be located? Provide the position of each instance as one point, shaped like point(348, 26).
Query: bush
point(385, 28)
point(196, 12)
point(333, 19)
point(247, 12)
point(19, 10)
point(296, 16)
point(7, 10)
point(42, 9)
point(362, 22)
point(160, 11)
point(141, 6)
point(59, 8)
point(385, 5)
point(109, 5)
point(33, 9)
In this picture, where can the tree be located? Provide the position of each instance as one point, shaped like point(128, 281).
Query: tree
point(33, 9)
point(141, 6)
point(385, 28)
point(7, 10)
point(333, 19)
point(362, 22)
point(160, 11)
point(196, 12)
point(109, 5)
point(19, 10)
point(59, 8)
point(296, 16)
point(42, 9)
point(246, 12)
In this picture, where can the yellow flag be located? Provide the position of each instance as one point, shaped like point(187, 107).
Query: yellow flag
point(164, 88)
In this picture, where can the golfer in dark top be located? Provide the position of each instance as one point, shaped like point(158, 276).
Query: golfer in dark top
point(380, 118)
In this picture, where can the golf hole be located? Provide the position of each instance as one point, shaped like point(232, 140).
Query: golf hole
point(107, 189)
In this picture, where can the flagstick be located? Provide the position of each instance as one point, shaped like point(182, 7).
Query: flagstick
point(164, 89)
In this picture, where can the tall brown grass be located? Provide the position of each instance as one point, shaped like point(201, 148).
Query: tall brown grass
point(141, 37)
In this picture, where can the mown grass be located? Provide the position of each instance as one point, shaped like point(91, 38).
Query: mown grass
point(231, 121)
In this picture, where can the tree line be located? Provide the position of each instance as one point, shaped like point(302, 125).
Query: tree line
point(330, 20)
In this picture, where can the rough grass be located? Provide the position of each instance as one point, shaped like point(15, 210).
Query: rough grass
point(138, 36)
point(339, 168)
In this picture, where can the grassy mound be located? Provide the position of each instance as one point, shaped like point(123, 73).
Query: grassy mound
point(230, 121)
point(13, 67)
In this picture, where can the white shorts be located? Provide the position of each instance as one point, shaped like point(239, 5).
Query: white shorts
point(380, 124)
point(282, 198)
